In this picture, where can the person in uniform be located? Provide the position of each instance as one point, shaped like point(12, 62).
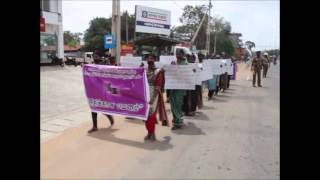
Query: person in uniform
point(266, 65)
point(256, 67)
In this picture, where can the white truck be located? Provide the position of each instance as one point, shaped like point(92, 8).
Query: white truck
point(88, 57)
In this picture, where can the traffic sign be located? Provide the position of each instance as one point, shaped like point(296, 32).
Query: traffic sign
point(109, 41)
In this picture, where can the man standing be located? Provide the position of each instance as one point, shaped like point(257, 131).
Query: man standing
point(266, 65)
point(94, 115)
point(256, 67)
point(176, 96)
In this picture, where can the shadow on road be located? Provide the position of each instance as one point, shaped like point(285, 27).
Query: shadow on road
point(199, 116)
point(106, 135)
point(215, 99)
point(207, 108)
point(135, 121)
point(228, 92)
point(223, 95)
point(189, 129)
point(264, 87)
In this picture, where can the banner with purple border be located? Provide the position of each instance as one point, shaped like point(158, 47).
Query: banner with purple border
point(117, 90)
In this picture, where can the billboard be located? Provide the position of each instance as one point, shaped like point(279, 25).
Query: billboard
point(152, 20)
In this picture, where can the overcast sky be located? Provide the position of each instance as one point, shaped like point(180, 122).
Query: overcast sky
point(258, 21)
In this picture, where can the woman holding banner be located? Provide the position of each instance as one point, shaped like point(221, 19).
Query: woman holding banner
point(94, 115)
point(177, 95)
point(155, 81)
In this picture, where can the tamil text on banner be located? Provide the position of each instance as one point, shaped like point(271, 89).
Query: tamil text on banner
point(117, 90)
point(179, 77)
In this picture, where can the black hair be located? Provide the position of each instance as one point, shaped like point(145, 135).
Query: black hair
point(150, 55)
point(181, 51)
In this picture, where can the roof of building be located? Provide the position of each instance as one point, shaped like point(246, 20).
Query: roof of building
point(156, 41)
point(236, 34)
point(68, 48)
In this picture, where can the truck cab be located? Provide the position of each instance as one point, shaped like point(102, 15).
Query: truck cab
point(88, 57)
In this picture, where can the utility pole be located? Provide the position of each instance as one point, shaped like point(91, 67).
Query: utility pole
point(127, 26)
point(215, 39)
point(118, 33)
point(115, 29)
point(208, 29)
point(113, 23)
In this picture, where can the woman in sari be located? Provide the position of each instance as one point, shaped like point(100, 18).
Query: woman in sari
point(155, 81)
point(176, 96)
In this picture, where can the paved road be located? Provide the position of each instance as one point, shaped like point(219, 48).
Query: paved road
point(235, 136)
point(63, 102)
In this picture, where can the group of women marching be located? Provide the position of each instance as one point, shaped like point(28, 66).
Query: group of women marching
point(182, 102)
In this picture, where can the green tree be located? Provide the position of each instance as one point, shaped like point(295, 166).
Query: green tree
point(131, 26)
point(273, 52)
point(98, 27)
point(191, 18)
point(71, 39)
point(250, 45)
point(93, 36)
point(223, 43)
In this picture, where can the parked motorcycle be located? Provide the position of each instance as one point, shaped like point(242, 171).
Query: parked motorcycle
point(57, 61)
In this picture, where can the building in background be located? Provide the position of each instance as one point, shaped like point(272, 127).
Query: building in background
point(238, 44)
point(51, 31)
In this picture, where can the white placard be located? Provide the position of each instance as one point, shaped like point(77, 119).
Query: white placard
point(159, 64)
point(207, 71)
point(225, 65)
point(219, 66)
point(152, 20)
point(167, 59)
point(179, 77)
point(229, 66)
point(198, 72)
point(127, 61)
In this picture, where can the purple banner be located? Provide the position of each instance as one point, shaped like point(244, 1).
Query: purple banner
point(117, 90)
